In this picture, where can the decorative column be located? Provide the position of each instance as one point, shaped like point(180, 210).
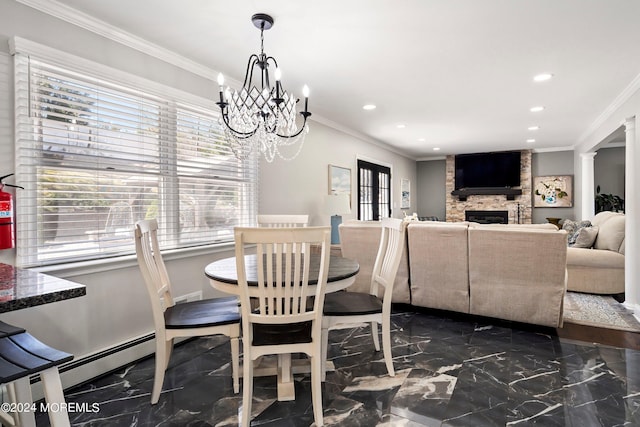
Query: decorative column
point(588, 190)
point(632, 231)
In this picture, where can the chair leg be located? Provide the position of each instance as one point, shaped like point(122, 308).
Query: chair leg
point(324, 349)
point(167, 351)
point(247, 390)
point(374, 335)
point(386, 345)
point(316, 389)
point(235, 363)
point(23, 395)
point(163, 349)
point(52, 387)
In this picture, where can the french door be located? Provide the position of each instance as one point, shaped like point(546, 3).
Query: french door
point(374, 191)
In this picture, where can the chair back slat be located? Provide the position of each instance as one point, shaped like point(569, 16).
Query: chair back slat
point(390, 251)
point(283, 271)
point(153, 269)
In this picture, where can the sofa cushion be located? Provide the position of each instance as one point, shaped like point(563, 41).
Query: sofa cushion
point(611, 234)
point(585, 237)
point(603, 216)
point(594, 259)
point(573, 228)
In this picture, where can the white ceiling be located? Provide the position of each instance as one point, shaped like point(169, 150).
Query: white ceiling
point(458, 73)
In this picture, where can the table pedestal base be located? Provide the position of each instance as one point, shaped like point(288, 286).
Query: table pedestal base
point(284, 368)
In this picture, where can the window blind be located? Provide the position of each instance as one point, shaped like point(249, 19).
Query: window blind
point(95, 155)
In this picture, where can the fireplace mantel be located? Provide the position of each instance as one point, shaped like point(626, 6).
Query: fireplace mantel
point(463, 193)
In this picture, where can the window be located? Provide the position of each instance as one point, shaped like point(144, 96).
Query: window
point(374, 191)
point(96, 154)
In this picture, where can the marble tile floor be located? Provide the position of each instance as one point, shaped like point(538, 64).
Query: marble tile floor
point(450, 371)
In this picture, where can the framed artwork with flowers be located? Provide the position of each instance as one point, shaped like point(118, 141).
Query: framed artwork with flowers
point(553, 191)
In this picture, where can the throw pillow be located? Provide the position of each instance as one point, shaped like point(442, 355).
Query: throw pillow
point(573, 227)
point(585, 237)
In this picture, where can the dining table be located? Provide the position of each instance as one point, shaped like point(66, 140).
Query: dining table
point(222, 275)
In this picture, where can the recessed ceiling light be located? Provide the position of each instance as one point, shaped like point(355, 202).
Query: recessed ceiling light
point(401, 126)
point(531, 140)
point(533, 128)
point(421, 140)
point(436, 148)
point(543, 77)
point(369, 107)
point(536, 109)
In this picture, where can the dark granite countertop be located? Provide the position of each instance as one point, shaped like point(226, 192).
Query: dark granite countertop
point(21, 288)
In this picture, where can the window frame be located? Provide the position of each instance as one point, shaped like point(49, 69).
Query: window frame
point(22, 51)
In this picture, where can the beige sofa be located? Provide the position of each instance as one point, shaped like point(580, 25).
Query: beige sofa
point(510, 272)
point(600, 269)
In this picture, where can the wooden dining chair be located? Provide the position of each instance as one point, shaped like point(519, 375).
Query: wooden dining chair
point(190, 319)
point(285, 321)
point(277, 221)
point(353, 308)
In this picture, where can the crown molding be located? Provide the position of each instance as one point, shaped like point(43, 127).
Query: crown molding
point(361, 136)
point(553, 149)
point(623, 97)
point(108, 31)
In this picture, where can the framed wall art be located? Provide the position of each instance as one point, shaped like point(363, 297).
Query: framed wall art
point(339, 180)
point(553, 191)
point(405, 190)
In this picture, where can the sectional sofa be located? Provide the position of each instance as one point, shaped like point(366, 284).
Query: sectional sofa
point(511, 272)
point(599, 268)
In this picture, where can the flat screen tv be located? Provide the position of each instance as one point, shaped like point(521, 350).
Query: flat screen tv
point(482, 170)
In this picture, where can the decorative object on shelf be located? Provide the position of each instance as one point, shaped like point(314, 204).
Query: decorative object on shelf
point(336, 205)
point(554, 191)
point(339, 180)
point(262, 119)
point(608, 202)
point(405, 190)
point(554, 221)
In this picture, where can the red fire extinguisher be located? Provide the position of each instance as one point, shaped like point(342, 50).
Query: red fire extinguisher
point(7, 237)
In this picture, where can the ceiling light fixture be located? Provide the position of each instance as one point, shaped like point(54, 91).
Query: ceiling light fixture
point(543, 77)
point(536, 109)
point(401, 126)
point(369, 107)
point(533, 128)
point(262, 119)
point(530, 141)
point(436, 148)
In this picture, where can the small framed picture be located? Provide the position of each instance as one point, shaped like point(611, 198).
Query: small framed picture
point(554, 191)
point(405, 189)
point(339, 180)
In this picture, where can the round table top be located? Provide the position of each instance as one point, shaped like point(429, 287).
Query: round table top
point(224, 270)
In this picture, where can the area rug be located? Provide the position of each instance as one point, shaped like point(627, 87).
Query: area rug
point(598, 310)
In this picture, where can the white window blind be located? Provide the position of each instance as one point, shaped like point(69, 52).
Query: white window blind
point(95, 155)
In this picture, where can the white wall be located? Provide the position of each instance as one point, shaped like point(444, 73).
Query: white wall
point(115, 308)
point(299, 186)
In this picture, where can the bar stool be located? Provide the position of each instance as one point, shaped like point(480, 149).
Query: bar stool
point(21, 355)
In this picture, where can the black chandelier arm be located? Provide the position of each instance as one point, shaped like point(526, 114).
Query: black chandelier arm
point(304, 124)
point(248, 75)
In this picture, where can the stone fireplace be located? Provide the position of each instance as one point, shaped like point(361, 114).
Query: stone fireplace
point(518, 207)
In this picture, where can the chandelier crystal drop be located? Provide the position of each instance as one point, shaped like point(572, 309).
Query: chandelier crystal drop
point(262, 120)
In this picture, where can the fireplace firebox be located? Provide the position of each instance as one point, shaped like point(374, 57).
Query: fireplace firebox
point(487, 217)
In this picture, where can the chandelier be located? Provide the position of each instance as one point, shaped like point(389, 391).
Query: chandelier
point(262, 119)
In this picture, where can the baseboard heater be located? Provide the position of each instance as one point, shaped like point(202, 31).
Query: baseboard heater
point(77, 363)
